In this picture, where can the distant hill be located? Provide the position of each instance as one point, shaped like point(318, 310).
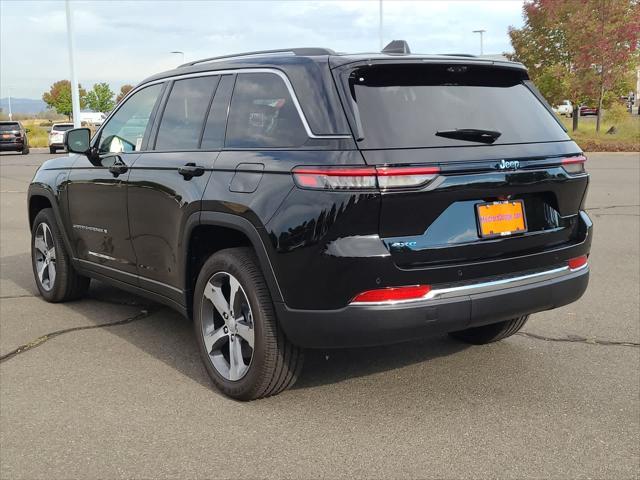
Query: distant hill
point(22, 105)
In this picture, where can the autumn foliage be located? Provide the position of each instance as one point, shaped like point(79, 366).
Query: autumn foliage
point(585, 51)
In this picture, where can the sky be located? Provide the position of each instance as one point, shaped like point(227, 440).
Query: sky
point(125, 41)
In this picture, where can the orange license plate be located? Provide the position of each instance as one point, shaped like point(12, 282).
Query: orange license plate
point(500, 219)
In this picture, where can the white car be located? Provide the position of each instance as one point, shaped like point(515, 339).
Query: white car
point(56, 136)
point(565, 108)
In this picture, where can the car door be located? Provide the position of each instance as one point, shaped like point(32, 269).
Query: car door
point(97, 190)
point(167, 182)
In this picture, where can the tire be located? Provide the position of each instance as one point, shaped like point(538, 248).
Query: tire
point(25, 151)
point(52, 150)
point(63, 283)
point(490, 333)
point(273, 363)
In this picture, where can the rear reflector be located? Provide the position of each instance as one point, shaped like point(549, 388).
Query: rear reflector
point(363, 178)
point(392, 294)
point(574, 165)
point(578, 262)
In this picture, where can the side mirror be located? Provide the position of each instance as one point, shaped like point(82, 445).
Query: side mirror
point(27, 130)
point(77, 140)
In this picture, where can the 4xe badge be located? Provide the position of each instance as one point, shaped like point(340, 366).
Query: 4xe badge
point(508, 165)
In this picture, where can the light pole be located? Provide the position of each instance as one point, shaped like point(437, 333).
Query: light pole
point(180, 53)
point(75, 94)
point(380, 26)
point(10, 112)
point(481, 32)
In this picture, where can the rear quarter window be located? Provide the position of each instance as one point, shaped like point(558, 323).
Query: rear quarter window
point(262, 114)
point(404, 106)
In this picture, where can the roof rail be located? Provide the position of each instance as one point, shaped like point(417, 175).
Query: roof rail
point(458, 55)
point(293, 51)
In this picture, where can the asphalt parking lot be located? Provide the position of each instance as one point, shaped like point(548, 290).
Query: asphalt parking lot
point(560, 400)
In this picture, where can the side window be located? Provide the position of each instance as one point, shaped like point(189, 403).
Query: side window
point(262, 114)
point(213, 137)
point(125, 129)
point(183, 116)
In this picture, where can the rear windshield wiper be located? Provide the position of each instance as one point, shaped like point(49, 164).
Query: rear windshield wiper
point(470, 134)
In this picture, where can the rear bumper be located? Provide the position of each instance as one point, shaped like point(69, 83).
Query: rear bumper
point(11, 146)
point(451, 308)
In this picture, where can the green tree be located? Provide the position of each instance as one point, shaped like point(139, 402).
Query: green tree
point(100, 98)
point(59, 97)
point(580, 50)
point(124, 89)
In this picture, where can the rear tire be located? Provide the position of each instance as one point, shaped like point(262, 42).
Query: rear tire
point(269, 366)
point(55, 276)
point(52, 150)
point(490, 333)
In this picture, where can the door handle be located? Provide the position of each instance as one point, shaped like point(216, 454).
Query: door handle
point(118, 169)
point(191, 170)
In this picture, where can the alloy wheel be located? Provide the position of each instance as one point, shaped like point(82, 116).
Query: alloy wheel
point(227, 326)
point(45, 256)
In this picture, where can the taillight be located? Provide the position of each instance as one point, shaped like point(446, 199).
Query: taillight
point(393, 294)
point(363, 178)
point(574, 165)
point(335, 178)
point(405, 177)
point(577, 262)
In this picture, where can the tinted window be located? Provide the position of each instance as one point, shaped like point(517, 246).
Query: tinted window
point(183, 116)
point(406, 105)
point(61, 128)
point(125, 129)
point(262, 114)
point(9, 127)
point(213, 137)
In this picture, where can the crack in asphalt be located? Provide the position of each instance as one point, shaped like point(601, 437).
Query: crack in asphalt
point(579, 339)
point(44, 338)
point(606, 207)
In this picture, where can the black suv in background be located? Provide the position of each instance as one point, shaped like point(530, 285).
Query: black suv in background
point(13, 137)
point(303, 198)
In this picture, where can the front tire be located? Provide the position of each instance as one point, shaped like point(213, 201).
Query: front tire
point(491, 333)
point(243, 348)
point(25, 151)
point(55, 277)
point(52, 150)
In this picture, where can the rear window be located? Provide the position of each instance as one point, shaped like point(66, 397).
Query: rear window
point(9, 127)
point(263, 114)
point(183, 116)
point(404, 106)
point(61, 128)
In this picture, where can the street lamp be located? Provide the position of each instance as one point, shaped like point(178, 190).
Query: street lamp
point(9, 95)
point(75, 95)
point(180, 53)
point(481, 32)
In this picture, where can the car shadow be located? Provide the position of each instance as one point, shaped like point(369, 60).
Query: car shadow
point(168, 336)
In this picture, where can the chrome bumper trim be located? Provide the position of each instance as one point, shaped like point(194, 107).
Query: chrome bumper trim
point(474, 288)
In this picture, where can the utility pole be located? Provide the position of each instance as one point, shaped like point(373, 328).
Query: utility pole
point(75, 94)
point(481, 32)
point(380, 27)
point(10, 112)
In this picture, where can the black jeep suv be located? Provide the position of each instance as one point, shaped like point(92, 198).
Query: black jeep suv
point(13, 137)
point(303, 198)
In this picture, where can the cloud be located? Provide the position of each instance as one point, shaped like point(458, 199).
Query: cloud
point(126, 41)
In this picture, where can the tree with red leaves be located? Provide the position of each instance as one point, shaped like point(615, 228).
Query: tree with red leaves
point(580, 50)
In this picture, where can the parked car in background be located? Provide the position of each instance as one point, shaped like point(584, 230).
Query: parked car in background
point(584, 111)
point(308, 199)
point(56, 136)
point(13, 137)
point(92, 118)
point(565, 108)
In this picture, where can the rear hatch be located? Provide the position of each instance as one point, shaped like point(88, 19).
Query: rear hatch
point(9, 131)
point(509, 180)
